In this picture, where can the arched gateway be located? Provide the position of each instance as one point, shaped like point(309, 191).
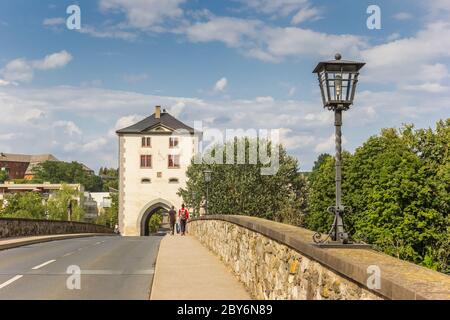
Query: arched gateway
point(147, 212)
point(154, 155)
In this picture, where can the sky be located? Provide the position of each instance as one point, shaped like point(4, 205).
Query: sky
point(230, 64)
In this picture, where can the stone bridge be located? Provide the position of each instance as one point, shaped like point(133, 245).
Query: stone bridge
point(10, 227)
point(278, 261)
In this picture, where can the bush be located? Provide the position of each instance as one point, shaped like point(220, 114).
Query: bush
point(27, 205)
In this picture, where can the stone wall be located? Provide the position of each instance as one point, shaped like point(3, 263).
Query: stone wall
point(27, 227)
point(276, 261)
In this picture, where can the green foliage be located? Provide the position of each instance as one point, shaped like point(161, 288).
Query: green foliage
point(65, 172)
point(110, 216)
point(27, 205)
point(3, 176)
point(241, 189)
point(26, 181)
point(58, 205)
point(398, 186)
point(155, 222)
point(110, 178)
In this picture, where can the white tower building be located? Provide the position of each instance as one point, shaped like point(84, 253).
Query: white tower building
point(154, 155)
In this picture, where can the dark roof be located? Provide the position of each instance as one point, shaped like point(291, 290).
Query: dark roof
point(150, 122)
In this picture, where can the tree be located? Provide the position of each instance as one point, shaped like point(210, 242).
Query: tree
point(58, 204)
point(27, 205)
point(155, 222)
point(4, 176)
point(398, 186)
point(110, 178)
point(110, 216)
point(65, 172)
point(240, 189)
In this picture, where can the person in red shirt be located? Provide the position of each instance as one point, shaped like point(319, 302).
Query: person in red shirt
point(183, 214)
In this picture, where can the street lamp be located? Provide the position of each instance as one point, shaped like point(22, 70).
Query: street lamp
point(193, 195)
point(337, 79)
point(208, 176)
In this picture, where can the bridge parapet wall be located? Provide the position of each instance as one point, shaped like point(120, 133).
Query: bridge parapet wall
point(10, 228)
point(278, 261)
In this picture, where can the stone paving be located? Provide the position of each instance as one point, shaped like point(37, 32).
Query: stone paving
point(186, 270)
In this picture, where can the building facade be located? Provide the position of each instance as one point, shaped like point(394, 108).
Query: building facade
point(20, 166)
point(154, 155)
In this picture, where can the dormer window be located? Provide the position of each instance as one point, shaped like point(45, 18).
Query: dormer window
point(146, 142)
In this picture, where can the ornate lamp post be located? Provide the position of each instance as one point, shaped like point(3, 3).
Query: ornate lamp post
point(193, 195)
point(337, 79)
point(207, 174)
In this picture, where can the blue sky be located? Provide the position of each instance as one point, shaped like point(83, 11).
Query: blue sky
point(232, 64)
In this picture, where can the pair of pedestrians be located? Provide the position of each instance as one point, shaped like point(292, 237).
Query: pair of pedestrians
point(181, 222)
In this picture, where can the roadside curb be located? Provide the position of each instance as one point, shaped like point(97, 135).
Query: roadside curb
point(156, 270)
point(15, 243)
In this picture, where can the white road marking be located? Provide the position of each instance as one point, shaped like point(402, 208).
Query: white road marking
point(7, 283)
point(43, 265)
point(69, 254)
point(98, 243)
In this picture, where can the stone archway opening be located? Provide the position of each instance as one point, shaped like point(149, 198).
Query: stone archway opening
point(148, 212)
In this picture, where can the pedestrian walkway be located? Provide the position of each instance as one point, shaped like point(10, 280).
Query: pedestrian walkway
point(186, 270)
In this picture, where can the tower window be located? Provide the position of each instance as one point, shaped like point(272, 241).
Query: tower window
point(146, 161)
point(174, 180)
point(146, 142)
point(146, 180)
point(173, 142)
point(174, 161)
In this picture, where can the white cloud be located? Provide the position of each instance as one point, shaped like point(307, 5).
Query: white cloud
point(17, 70)
point(411, 60)
point(305, 14)
point(48, 22)
point(281, 7)
point(22, 70)
point(124, 122)
point(292, 140)
point(111, 32)
point(69, 127)
point(221, 85)
point(145, 13)
point(393, 36)
point(133, 78)
point(7, 136)
point(328, 145)
point(273, 44)
point(53, 61)
point(428, 87)
point(232, 31)
point(403, 16)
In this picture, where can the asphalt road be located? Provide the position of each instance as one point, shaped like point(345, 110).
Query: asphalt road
point(111, 267)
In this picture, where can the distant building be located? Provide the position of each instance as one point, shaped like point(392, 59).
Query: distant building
point(91, 211)
point(20, 166)
point(102, 199)
point(154, 155)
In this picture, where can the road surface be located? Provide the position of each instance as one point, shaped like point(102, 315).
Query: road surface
point(111, 267)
